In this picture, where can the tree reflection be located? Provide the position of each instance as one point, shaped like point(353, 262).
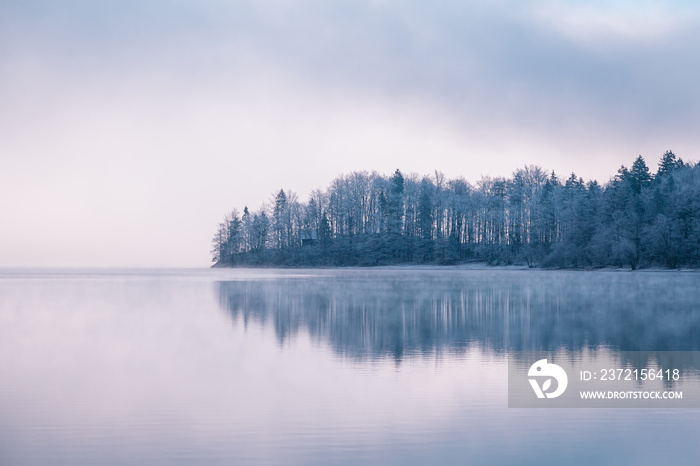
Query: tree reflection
point(403, 313)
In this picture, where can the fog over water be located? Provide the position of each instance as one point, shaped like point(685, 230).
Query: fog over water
point(374, 314)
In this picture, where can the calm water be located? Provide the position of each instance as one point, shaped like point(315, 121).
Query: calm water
point(371, 366)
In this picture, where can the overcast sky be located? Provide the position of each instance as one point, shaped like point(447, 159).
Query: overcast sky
point(128, 129)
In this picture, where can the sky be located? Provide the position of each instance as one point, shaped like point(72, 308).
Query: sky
point(128, 129)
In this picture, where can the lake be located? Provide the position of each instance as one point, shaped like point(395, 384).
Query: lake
point(330, 366)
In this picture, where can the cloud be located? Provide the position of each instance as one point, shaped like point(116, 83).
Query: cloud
point(615, 23)
point(502, 60)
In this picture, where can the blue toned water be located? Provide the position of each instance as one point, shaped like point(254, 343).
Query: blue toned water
point(374, 366)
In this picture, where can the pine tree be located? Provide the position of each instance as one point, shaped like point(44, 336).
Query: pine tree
point(640, 176)
point(667, 165)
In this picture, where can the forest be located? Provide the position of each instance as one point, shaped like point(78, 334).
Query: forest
point(535, 218)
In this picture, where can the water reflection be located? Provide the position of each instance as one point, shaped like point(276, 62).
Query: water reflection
point(399, 313)
point(139, 367)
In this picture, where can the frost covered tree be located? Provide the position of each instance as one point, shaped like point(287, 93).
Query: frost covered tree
point(637, 219)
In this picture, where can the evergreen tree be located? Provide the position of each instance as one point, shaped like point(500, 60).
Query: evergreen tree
point(640, 177)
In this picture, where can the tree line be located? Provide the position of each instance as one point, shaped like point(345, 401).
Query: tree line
point(636, 219)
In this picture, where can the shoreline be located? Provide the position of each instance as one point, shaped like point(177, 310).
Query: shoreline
point(466, 266)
